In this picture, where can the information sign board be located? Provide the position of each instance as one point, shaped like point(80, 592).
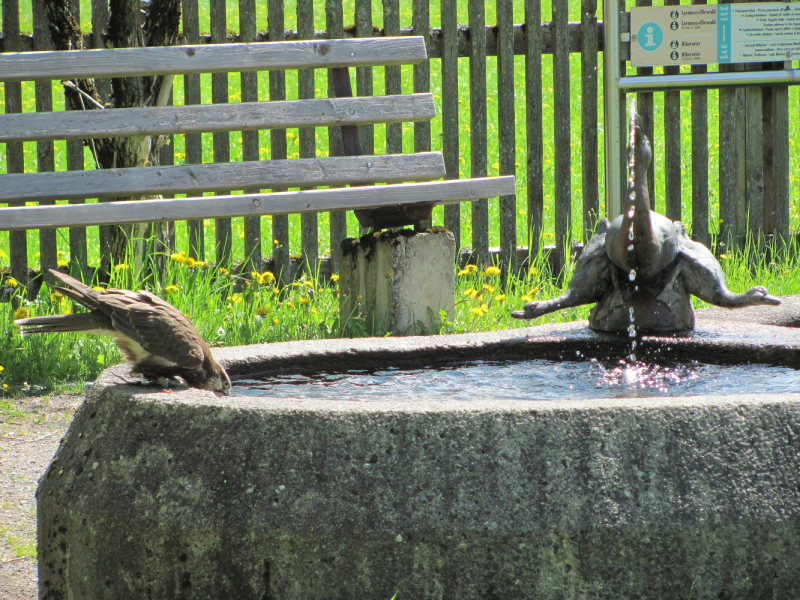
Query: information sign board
point(722, 33)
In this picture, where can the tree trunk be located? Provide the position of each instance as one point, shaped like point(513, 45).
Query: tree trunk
point(125, 30)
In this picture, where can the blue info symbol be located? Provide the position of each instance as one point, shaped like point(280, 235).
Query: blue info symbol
point(650, 36)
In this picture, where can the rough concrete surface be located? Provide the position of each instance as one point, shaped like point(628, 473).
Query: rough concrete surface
point(398, 281)
point(186, 494)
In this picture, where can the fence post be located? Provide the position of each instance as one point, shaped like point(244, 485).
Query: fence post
point(15, 159)
point(449, 65)
point(589, 154)
point(478, 133)
point(309, 222)
point(252, 225)
point(506, 130)
point(561, 131)
point(533, 115)
point(338, 218)
point(194, 142)
point(277, 92)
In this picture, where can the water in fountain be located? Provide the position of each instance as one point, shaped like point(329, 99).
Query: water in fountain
point(631, 213)
point(525, 380)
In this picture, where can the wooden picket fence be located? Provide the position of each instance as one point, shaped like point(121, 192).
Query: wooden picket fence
point(753, 123)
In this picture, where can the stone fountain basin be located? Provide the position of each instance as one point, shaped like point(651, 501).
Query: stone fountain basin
point(186, 494)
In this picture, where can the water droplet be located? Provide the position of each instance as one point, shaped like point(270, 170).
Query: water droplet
point(630, 247)
point(632, 196)
point(630, 214)
point(630, 234)
point(632, 275)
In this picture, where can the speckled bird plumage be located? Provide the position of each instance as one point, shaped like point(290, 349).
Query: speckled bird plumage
point(157, 338)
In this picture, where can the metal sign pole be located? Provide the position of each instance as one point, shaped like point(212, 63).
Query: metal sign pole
point(615, 121)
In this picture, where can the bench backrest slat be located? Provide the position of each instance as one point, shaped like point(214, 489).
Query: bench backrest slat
point(320, 112)
point(211, 58)
point(196, 179)
point(354, 198)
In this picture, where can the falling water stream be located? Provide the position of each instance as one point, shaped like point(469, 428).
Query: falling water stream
point(632, 332)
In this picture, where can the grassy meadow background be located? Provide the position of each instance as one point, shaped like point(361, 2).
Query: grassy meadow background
point(263, 312)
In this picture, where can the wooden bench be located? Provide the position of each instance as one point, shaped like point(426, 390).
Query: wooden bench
point(409, 178)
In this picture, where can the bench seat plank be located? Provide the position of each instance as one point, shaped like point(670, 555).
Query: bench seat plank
point(242, 116)
point(216, 58)
point(217, 177)
point(440, 192)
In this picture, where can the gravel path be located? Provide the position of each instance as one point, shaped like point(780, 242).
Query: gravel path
point(27, 444)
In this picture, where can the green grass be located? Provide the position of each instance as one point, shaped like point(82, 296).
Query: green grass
point(266, 312)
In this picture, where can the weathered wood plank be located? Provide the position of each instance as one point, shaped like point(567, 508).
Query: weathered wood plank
point(249, 82)
point(506, 130)
point(19, 218)
point(309, 223)
point(754, 163)
point(242, 116)
point(277, 93)
point(777, 189)
point(48, 250)
point(478, 128)
point(421, 23)
point(364, 75)
point(700, 216)
point(449, 65)
point(645, 108)
point(535, 141)
point(334, 23)
point(223, 228)
point(221, 58)
point(99, 30)
point(15, 160)
point(213, 177)
point(672, 146)
point(78, 247)
point(561, 131)
point(194, 145)
point(590, 165)
point(392, 78)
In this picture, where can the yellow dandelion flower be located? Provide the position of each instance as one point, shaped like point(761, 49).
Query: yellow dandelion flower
point(178, 257)
point(477, 310)
point(336, 310)
point(223, 271)
point(471, 268)
point(304, 301)
point(276, 242)
point(3, 254)
point(723, 256)
point(291, 305)
point(189, 262)
point(276, 291)
point(534, 291)
point(121, 267)
point(262, 311)
point(254, 274)
point(488, 288)
point(10, 281)
point(313, 311)
point(63, 263)
point(2, 368)
point(266, 277)
point(499, 297)
point(463, 272)
point(533, 271)
point(57, 297)
point(236, 298)
point(309, 284)
point(98, 288)
point(491, 271)
point(21, 313)
point(296, 284)
point(335, 277)
point(526, 299)
point(170, 289)
point(5, 386)
point(275, 321)
point(471, 292)
point(66, 311)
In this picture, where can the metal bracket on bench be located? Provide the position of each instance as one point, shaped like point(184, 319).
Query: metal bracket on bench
point(377, 218)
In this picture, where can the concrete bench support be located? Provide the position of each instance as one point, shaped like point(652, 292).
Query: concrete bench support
point(398, 281)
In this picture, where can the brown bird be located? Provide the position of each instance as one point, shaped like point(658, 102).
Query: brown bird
point(152, 334)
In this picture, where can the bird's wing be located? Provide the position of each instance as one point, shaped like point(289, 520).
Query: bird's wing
point(157, 326)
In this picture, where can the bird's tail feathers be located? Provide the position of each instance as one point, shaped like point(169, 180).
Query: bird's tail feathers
point(77, 291)
point(86, 322)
